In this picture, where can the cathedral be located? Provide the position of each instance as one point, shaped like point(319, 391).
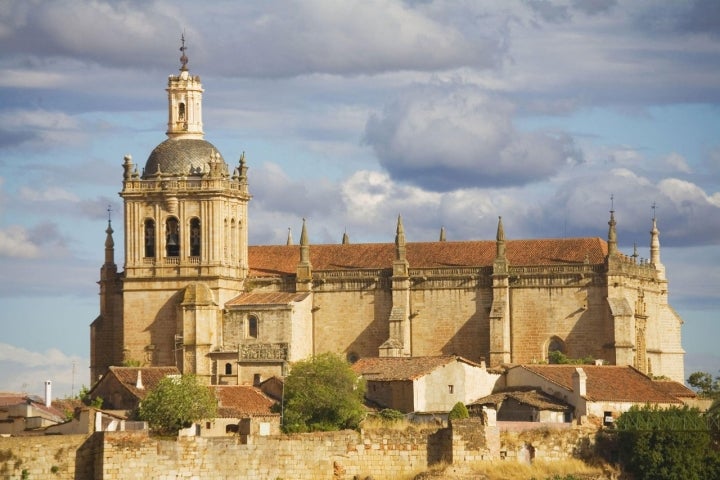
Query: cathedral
point(193, 294)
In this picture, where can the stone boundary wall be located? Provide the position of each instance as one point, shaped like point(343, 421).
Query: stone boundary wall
point(547, 443)
point(382, 454)
point(45, 457)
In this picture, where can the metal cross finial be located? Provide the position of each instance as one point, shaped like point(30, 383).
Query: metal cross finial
point(109, 210)
point(653, 209)
point(183, 57)
point(612, 202)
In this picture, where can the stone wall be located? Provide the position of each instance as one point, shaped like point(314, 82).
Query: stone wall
point(547, 443)
point(61, 457)
point(382, 454)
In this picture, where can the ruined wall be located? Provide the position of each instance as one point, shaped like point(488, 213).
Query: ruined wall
point(546, 443)
point(61, 457)
point(382, 454)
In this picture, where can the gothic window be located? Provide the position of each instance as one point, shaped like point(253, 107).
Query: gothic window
point(555, 345)
point(172, 237)
point(228, 369)
point(252, 327)
point(195, 237)
point(149, 238)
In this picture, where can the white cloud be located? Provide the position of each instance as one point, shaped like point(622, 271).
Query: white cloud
point(50, 194)
point(678, 163)
point(456, 137)
point(25, 371)
point(15, 242)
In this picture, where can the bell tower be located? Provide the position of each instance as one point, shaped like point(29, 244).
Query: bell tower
point(185, 231)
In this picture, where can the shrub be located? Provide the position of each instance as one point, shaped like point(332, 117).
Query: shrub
point(458, 411)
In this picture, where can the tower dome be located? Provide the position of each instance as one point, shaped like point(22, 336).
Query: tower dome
point(181, 156)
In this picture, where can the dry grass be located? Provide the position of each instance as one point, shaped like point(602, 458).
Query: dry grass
point(379, 424)
point(509, 470)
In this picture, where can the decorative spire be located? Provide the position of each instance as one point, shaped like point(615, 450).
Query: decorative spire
point(500, 239)
point(183, 57)
point(612, 234)
point(442, 234)
point(303, 279)
point(345, 238)
point(304, 245)
point(109, 242)
point(654, 240)
point(289, 237)
point(399, 240)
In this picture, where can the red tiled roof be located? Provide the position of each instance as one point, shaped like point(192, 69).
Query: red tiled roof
point(534, 398)
point(278, 260)
point(7, 398)
point(384, 369)
point(274, 298)
point(676, 389)
point(151, 376)
point(236, 401)
point(606, 382)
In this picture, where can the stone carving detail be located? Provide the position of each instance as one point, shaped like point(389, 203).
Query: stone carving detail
point(264, 351)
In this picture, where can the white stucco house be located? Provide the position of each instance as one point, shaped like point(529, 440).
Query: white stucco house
point(424, 384)
point(603, 391)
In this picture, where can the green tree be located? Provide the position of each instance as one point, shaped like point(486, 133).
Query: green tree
point(322, 393)
point(705, 384)
point(175, 403)
point(459, 410)
point(556, 357)
point(665, 444)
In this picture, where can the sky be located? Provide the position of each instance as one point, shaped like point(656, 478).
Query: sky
point(450, 113)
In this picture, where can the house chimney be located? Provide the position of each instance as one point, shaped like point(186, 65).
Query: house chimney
point(48, 393)
point(579, 379)
point(138, 383)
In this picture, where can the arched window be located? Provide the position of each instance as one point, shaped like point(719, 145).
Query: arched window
point(181, 111)
point(555, 347)
point(172, 237)
point(149, 238)
point(228, 369)
point(195, 237)
point(252, 326)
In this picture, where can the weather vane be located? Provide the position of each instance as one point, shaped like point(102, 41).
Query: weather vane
point(653, 209)
point(109, 210)
point(612, 202)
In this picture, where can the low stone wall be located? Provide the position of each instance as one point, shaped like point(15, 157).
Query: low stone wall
point(51, 456)
point(331, 455)
point(382, 454)
point(547, 443)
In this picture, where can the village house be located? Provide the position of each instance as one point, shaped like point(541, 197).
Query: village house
point(603, 391)
point(524, 405)
point(22, 414)
point(424, 384)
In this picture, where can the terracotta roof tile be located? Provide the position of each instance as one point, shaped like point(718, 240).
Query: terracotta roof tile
point(676, 389)
point(278, 260)
point(384, 369)
point(606, 382)
point(7, 398)
point(534, 398)
point(151, 376)
point(237, 401)
point(273, 298)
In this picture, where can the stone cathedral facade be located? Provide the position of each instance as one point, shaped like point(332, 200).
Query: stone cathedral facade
point(195, 295)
